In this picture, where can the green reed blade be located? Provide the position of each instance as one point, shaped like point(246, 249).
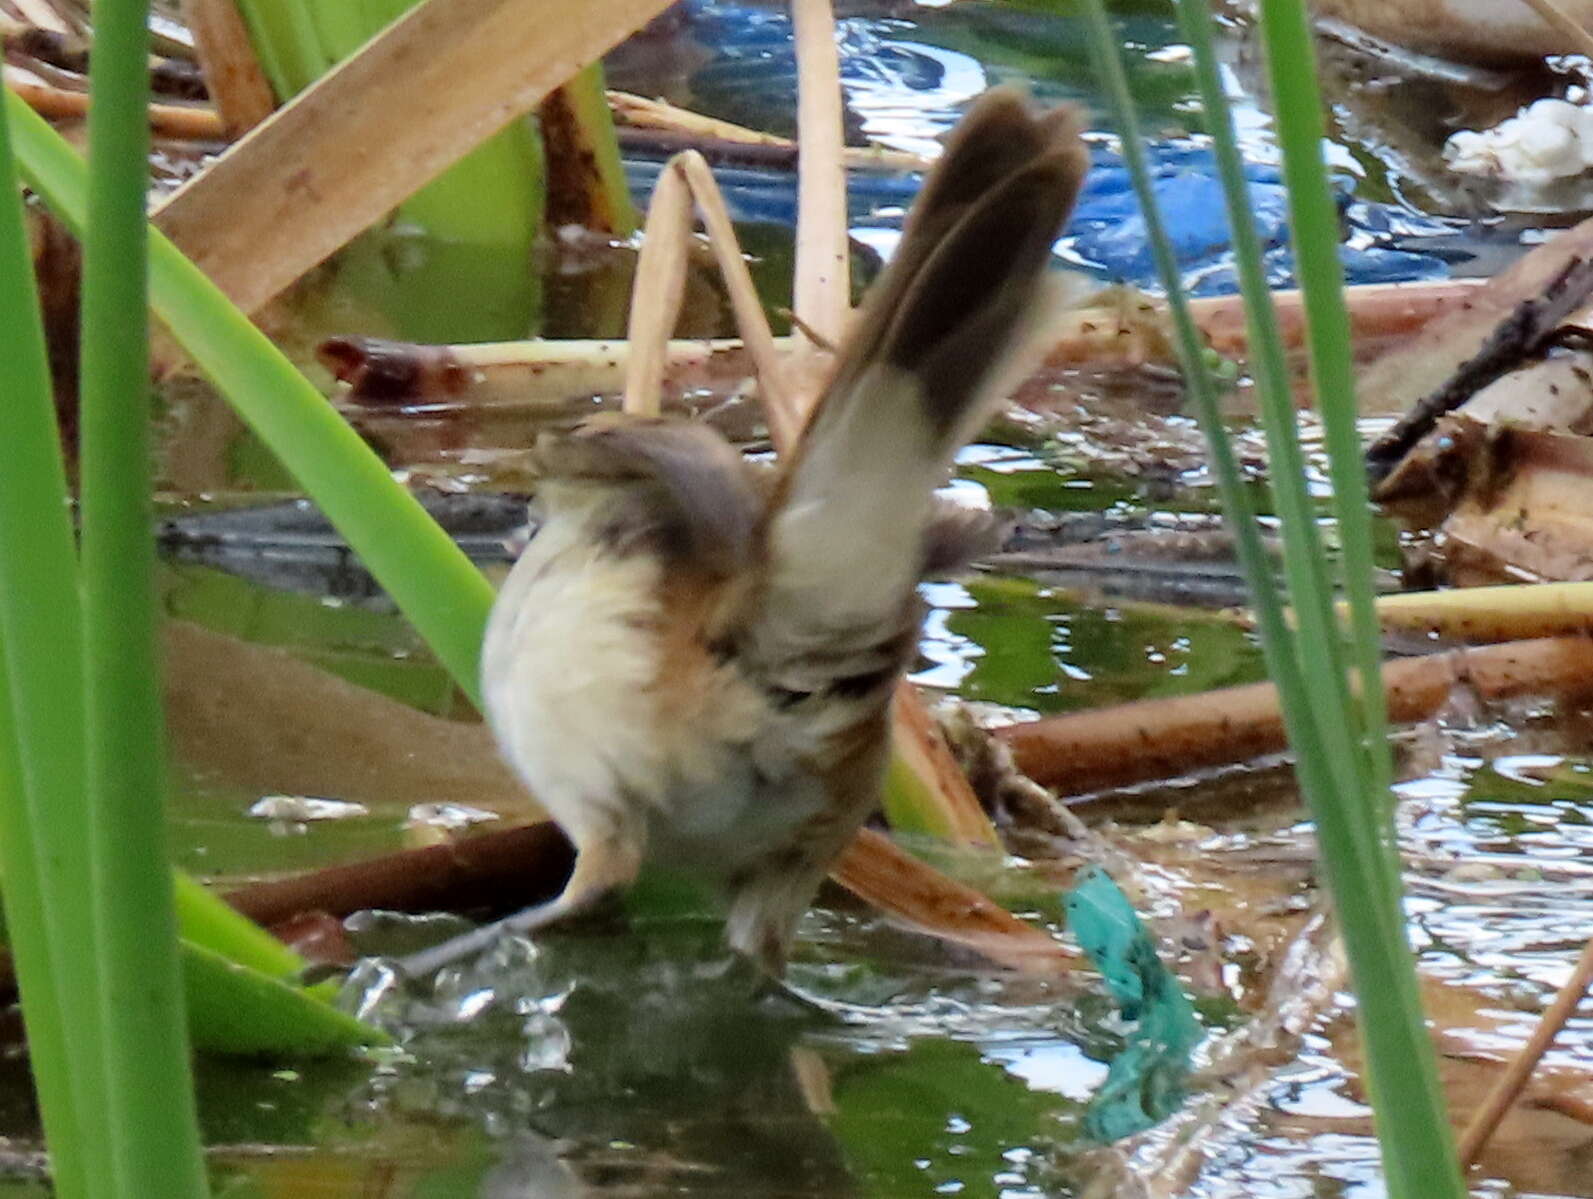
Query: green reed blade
point(1320, 645)
point(434, 584)
point(1338, 774)
point(1202, 390)
point(287, 42)
point(27, 930)
point(43, 817)
point(150, 1120)
point(1292, 69)
point(1413, 1125)
point(247, 1014)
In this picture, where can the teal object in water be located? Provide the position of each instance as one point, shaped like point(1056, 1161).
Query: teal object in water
point(1145, 1083)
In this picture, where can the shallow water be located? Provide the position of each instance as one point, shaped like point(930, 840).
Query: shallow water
point(636, 1059)
point(623, 1062)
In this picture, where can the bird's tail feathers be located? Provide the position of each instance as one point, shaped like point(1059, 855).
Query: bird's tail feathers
point(949, 329)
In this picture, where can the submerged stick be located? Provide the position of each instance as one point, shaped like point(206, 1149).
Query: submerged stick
point(1167, 738)
point(880, 872)
point(509, 869)
point(497, 872)
point(1510, 1084)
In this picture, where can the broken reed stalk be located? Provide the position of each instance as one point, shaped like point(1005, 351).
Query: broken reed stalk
point(783, 412)
point(656, 293)
point(1510, 1084)
point(1421, 365)
point(331, 163)
point(237, 86)
point(585, 177)
point(1155, 739)
point(927, 790)
point(165, 120)
point(1523, 335)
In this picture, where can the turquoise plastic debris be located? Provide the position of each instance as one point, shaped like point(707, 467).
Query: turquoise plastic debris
point(1146, 1081)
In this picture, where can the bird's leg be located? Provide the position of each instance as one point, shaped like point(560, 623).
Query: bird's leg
point(600, 867)
point(780, 990)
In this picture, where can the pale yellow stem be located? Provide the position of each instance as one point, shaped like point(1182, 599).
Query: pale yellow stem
point(656, 291)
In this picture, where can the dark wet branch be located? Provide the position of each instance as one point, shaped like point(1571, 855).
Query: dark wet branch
point(488, 874)
point(1530, 329)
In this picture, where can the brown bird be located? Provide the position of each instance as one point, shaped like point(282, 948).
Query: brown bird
point(692, 663)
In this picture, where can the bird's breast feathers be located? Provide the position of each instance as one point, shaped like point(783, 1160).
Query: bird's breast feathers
point(602, 692)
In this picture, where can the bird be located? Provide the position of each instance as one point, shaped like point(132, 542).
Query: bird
point(692, 661)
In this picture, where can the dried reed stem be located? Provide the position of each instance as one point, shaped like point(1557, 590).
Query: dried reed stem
point(656, 292)
point(639, 112)
point(166, 120)
point(1509, 1086)
point(877, 870)
point(782, 410)
point(233, 77)
point(821, 293)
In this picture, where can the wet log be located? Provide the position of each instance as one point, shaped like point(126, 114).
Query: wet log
point(553, 374)
point(490, 874)
point(1098, 750)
